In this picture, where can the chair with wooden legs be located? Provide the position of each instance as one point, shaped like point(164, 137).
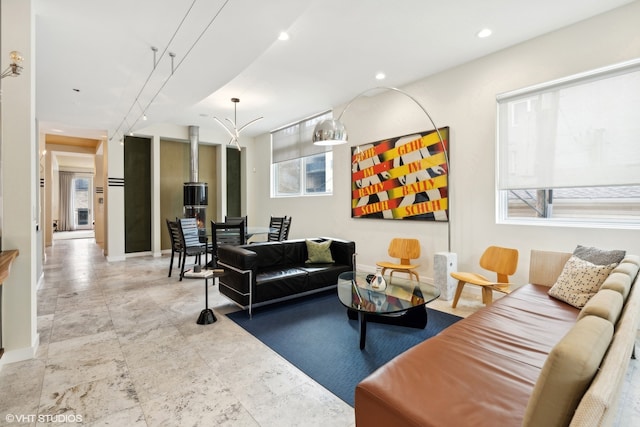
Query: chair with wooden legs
point(176, 243)
point(502, 261)
point(405, 250)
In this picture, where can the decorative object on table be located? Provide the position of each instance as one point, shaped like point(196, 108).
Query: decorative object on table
point(404, 250)
point(233, 130)
point(377, 280)
point(502, 261)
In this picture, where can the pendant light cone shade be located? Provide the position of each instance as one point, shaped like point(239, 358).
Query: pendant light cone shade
point(330, 132)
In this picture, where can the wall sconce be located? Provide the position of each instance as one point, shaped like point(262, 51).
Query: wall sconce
point(14, 67)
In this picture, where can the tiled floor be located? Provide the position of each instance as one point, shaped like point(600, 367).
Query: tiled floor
point(119, 346)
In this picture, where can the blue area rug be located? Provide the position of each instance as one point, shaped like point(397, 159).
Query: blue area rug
point(315, 335)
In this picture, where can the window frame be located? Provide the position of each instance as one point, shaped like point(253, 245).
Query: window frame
point(525, 95)
point(296, 149)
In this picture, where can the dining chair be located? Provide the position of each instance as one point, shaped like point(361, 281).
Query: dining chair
point(176, 244)
point(286, 227)
point(236, 219)
point(404, 250)
point(227, 233)
point(190, 241)
point(502, 261)
point(275, 225)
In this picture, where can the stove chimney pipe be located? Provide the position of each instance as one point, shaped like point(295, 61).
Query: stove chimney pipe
point(193, 139)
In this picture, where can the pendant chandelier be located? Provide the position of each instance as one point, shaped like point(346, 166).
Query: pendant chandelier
point(232, 127)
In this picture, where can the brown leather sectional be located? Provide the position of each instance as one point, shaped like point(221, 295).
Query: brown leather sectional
point(481, 371)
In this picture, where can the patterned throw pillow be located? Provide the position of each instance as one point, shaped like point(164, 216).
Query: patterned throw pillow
point(579, 281)
point(599, 256)
point(319, 252)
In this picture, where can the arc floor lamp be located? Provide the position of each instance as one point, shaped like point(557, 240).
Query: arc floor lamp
point(333, 132)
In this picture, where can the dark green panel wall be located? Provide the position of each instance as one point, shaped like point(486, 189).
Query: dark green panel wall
point(137, 194)
point(234, 183)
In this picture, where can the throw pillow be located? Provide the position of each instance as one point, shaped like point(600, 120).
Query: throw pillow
point(599, 256)
point(579, 281)
point(319, 252)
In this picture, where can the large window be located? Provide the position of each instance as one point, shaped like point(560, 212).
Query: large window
point(298, 167)
point(569, 150)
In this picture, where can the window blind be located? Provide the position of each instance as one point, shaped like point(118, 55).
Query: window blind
point(295, 141)
point(579, 131)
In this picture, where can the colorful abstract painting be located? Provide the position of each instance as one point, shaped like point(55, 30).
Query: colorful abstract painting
point(402, 178)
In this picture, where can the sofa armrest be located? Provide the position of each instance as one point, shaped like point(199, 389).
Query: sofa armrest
point(342, 250)
point(546, 266)
point(238, 257)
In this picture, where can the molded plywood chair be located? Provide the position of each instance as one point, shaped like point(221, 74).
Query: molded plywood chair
point(405, 250)
point(502, 261)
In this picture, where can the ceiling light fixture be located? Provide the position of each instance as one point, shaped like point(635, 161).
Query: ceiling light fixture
point(485, 32)
point(283, 36)
point(14, 69)
point(233, 130)
point(380, 76)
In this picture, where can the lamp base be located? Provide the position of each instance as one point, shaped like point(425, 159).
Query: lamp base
point(206, 317)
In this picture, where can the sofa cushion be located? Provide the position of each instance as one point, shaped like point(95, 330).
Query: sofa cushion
point(627, 267)
point(599, 256)
point(606, 304)
point(319, 252)
point(579, 281)
point(619, 282)
point(567, 373)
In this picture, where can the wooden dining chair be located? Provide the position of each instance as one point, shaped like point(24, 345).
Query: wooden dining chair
point(227, 233)
point(404, 250)
point(190, 241)
point(236, 219)
point(176, 244)
point(275, 224)
point(286, 227)
point(502, 261)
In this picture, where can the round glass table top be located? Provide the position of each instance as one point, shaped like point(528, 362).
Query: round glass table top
point(360, 291)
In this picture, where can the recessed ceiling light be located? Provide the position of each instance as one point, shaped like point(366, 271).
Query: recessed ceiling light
point(283, 36)
point(485, 32)
point(380, 76)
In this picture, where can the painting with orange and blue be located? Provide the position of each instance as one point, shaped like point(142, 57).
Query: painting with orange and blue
point(405, 177)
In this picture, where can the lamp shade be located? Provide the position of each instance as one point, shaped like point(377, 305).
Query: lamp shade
point(329, 132)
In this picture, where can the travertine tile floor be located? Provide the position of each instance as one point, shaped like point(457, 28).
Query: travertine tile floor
point(119, 346)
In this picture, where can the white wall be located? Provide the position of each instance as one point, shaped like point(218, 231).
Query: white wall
point(464, 99)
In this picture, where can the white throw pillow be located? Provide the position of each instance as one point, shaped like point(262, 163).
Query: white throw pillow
point(579, 281)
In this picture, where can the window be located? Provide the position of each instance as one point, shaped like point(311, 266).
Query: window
point(299, 168)
point(569, 150)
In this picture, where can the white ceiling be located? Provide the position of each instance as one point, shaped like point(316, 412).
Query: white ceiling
point(94, 56)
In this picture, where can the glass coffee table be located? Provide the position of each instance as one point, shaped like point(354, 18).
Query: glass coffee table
point(401, 302)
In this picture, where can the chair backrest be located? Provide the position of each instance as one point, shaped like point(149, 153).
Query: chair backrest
point(405, 249)
point(502, 261)
point(174, 234)
point(189, 232)
point(286, 227)
point(276, 223)
point(231, 219)
point(227, 233)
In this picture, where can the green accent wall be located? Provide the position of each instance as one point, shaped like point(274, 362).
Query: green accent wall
point(174, 172)
point(234, 182)
point(137, 194)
